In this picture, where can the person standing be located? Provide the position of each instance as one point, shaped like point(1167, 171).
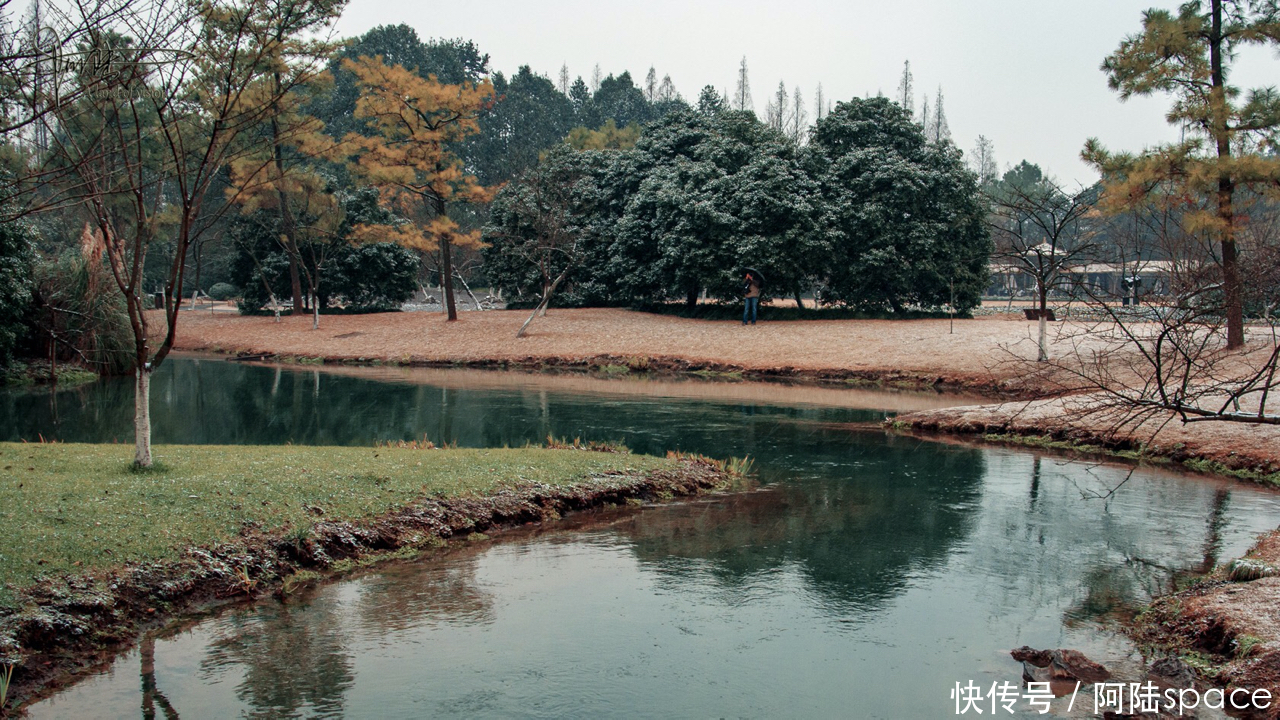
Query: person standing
point(752, 292)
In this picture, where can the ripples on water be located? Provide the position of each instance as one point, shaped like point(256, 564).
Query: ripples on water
point(868, 575)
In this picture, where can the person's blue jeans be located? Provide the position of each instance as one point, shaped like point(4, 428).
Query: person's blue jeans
point(749, 312)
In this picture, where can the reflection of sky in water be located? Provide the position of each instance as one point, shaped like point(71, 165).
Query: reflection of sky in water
point(868, 576)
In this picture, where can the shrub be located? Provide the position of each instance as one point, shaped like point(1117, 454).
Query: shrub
point(222, 291)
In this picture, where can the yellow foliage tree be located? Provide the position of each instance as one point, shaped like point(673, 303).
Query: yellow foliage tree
point(280, 174)
point(409, 159)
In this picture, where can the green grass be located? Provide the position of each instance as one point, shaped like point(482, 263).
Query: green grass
point(67, 508)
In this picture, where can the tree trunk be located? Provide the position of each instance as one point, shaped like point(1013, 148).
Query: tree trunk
point(1042, 343)
point(1226, 188)
point(691, 298)
point(547, 292)
point(799, 300)
point(315, 311)
point(286, 215)
point(142, 416)
point(446, 279)
point(540, 307)
point(472, 295)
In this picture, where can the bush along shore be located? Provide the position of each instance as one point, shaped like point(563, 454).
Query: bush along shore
point(96, 553)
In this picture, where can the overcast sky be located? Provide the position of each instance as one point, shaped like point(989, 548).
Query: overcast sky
point(1022, 72)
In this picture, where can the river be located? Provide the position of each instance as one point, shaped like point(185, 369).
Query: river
point(866, 577)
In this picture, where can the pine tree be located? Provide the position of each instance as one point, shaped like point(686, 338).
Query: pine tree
point(906, 94)
point(411, 161)
point(1229, 145)
point(711, 102)
point(742, 93)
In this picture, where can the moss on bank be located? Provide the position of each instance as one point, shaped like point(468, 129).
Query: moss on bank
point(1140, 454)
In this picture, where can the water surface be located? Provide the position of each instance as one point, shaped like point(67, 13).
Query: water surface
point(867, 576)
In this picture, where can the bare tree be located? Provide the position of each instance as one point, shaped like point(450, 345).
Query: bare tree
point(667, 90)
point(651, 85)
point(48, 67)
point(742, 92)
point(536, 217)
point(1038, 229)
point(906, 92)
point(778, 109)
point(819, 106)
point(596, 78)
point(983, 161)
point(798, 121)
point(564, 80)
point(937, 129)
point(1166, 357)
point(193, 89)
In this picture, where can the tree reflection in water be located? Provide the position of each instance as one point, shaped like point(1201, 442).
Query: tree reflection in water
point(292, 658)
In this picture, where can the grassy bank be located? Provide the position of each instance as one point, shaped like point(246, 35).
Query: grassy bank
point(94, 553)
point(68, 508)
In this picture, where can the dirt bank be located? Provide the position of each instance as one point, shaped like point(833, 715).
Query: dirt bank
point(65, 626)
point(898, 353)
point(1249, 452)
point(1225, 626)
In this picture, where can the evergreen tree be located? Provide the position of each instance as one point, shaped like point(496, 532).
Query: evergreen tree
point(1229, 144)
point(903, 217)
point(579, 96)
point(710, 102)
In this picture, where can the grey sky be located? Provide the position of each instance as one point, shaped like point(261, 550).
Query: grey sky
point(1022, 72)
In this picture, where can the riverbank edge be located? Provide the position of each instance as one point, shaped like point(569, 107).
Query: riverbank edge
point(1220, 623)
point(612, 365)
point(72, 625)
point(1065, 436)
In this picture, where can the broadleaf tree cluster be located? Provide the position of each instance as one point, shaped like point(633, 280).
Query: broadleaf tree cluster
point(867, 215)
